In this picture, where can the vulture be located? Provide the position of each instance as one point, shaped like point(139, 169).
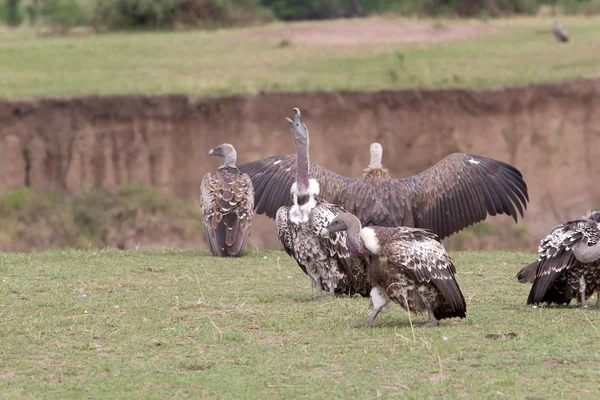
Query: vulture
point(568, 265)
point(325, 260)
point(227, 205)
point(458, 191)
point(559, 32)
point(410, 266)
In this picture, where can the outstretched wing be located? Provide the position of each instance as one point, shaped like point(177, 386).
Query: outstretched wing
point(420, 252)
point(555, 255)
point(458, 191)
point(463, 189)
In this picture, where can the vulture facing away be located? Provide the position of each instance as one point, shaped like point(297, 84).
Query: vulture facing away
point(409, 266)
point(568, 265)
point(559, 32)
point(458, 191)
point(227, 205)
point(325, 260)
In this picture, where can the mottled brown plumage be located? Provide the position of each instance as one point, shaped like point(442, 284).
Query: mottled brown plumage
point(568, 265)
point(406, 265)
point(227, 204)
point(458, 191)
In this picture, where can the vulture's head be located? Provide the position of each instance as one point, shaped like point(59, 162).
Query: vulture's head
point(376, 151)
point(298, 129)
point(222, 150)
point(342, 222)
point(226, 151)
point(594, 216)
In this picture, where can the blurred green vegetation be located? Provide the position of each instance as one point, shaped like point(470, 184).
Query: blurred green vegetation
point(96, 218)
point(101, 15)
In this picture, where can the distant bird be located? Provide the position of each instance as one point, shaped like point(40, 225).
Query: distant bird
point(410, 266)
point(559, 32)
point(568, 265)
point(325, 260)
point(458, 191)
point(227, 204)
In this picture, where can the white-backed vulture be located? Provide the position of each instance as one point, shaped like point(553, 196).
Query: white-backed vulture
point(227, 205)
point(409, 266)
point(325, 260)
point(458, 191)
point(568, 265)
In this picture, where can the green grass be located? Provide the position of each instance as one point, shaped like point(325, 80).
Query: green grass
point(512, 51)
point(168, 324)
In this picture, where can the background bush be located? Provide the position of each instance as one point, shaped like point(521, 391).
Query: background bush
point(174, 14)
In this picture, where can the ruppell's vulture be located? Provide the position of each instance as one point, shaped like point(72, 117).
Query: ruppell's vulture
point(409, 266)
point(227, 205)
point(568, 265)
point(325, 260)
point(458, 191)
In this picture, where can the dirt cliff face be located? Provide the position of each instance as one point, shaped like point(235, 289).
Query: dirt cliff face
point(549, 132)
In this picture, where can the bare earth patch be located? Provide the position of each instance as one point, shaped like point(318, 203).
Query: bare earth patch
point(373, 31)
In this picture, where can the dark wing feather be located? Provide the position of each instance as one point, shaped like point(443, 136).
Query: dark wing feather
point(421, 253)
point(555, 255)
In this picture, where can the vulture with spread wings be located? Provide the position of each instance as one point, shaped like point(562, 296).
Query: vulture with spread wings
point(458, 191)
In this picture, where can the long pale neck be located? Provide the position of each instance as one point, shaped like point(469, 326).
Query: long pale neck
point(230, 158)
point(375, 160)
point(302, 167)
point(353, 241)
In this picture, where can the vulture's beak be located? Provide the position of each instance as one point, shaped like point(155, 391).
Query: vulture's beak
point(211, 152)
point(324, 233)
point(289, 120)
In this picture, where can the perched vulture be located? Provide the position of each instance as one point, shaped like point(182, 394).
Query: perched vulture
point(227, 204)
point(559, 32)
point(458, 191)
point(325, 260)
point(410, 266)
point(568, 265)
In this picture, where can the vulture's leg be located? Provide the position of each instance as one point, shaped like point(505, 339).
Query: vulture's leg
point(432, 320)
point(582, 287)
point(597, 305)
point(319, 292)
point(379, 301)
point(331, 290)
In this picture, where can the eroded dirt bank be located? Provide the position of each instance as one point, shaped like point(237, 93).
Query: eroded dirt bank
point(548, 131)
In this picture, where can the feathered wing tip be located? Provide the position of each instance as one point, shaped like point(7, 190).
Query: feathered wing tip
point(527, 274)
point(545, 275)
point(236, 235)
point(454, 305)
point(214, 238)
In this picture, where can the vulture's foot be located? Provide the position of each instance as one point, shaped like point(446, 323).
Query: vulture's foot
point(432, 319)
point(584, 306)
point(367, 324)
point(308, 299)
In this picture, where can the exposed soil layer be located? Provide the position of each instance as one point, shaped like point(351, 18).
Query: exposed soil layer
point(547, 131)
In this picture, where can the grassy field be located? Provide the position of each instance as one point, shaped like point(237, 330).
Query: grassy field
point(288, 57)
point(165, 324)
